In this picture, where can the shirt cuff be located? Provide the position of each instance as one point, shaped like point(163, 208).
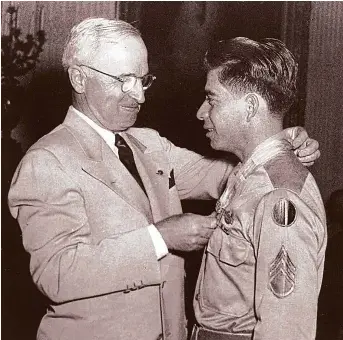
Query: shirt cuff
point(161, 248)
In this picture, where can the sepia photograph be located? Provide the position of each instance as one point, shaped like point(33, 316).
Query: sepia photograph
point(171, 170)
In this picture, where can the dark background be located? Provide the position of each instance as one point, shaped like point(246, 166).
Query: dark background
point(176, 40)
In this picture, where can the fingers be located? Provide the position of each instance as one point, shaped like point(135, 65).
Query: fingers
point(310, 147)
point(187, 232)
point(309, 160)
point(308, 152)
point(213, 224)
point(206, 227)
point(295, 135)
point(300, 136)
point(207, 232)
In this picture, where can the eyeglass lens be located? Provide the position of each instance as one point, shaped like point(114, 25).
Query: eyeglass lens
point(130, 81)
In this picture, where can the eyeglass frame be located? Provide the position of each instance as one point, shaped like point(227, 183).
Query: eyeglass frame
point(121, 80)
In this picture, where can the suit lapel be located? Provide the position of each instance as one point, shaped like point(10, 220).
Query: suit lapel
point(125, 184)
point(102, 164)
point(154, 171)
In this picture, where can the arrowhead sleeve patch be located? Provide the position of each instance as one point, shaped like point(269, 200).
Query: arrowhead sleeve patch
point(282, 274)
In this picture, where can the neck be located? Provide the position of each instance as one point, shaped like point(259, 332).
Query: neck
point(80, 103)
point(259, 134)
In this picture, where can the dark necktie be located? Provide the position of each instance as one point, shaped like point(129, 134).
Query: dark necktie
point(126, 157)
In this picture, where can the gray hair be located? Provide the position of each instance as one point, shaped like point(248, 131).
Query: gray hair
point(85, 39)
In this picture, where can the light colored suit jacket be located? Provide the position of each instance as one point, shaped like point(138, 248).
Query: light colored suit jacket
point(83, 219)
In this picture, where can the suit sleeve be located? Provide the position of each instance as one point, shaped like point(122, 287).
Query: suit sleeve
point(196, 177)
point(65, 263)
point(289, 242)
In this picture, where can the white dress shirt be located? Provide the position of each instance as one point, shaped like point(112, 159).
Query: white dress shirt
point(109, 137)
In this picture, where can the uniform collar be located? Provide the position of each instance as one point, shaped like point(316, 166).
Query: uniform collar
point(265, 151)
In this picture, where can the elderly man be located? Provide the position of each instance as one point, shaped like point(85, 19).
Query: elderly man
point(262, 269)
point(98, 201)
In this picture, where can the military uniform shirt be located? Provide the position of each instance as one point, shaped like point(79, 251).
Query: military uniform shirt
point(262, 269)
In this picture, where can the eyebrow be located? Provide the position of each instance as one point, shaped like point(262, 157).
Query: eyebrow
point(134, 74)
point(128, 74)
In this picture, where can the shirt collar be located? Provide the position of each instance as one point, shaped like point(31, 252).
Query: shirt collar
point(107, 135)
point(265, 151)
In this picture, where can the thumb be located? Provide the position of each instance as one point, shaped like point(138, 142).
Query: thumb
point(213, 220)
point(213, 214)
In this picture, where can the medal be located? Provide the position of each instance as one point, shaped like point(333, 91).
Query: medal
point(224, 215)
point(228, 217)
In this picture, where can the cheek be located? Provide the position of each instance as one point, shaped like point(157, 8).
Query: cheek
point(218, 119)
point(111, 99)
point(98, 96)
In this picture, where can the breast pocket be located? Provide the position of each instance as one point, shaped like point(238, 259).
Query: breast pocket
point(234, 249)
point(228, 279)
point(229, 247)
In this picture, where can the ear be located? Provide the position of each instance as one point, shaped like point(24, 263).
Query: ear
point(77, 78)
point(251, 105)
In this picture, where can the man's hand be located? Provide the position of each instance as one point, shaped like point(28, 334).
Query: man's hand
point(186, 232)
point(305, 148)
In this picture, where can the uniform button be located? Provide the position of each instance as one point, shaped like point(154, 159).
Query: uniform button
point(127, 290)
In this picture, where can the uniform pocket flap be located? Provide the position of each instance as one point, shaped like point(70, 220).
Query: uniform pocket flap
point(234, 251)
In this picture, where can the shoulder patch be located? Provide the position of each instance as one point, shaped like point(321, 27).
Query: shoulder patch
point(282, 274)
point(284, 212)
point(286, 171)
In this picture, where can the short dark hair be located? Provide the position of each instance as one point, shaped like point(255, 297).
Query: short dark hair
point(266, 67)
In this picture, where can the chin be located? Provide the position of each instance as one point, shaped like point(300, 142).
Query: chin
point(128, 125)
point(215, 145)
point(125, 124)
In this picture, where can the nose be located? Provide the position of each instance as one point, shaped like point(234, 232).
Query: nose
point(137, 93)
point(202, 113)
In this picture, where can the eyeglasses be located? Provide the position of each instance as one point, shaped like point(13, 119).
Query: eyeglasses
point(128, 81)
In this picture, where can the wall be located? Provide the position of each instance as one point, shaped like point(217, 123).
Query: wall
point(324, 106)
point(59, 17)
point(177, 34)
point(46, 85)
point(324, 121)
